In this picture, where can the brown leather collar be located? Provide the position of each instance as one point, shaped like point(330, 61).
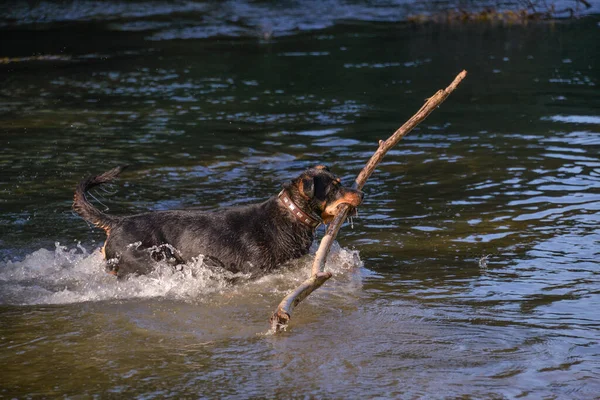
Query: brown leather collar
point(297, 212)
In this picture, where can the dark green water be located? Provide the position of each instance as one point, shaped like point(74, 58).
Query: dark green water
point(209, 113)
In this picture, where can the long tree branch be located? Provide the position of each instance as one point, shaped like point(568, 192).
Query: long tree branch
point(281, 317)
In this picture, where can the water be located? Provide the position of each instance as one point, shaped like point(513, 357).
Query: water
point(471, 270)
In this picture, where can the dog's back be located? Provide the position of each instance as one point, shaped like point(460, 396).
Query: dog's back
point(248, 239)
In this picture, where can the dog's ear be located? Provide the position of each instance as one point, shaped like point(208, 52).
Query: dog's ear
point(308, 187)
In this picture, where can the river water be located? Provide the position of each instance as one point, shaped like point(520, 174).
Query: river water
point(471, 270)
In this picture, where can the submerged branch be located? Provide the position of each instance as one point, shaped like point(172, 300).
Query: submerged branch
point(281, 317)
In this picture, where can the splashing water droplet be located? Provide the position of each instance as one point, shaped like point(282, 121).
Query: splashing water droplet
point(483, 261)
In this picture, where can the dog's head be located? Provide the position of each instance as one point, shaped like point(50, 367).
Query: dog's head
point(319, 192)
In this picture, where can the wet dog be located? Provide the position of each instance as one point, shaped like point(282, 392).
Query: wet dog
point(253, 239)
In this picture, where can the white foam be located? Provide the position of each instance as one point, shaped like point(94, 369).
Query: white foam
point(75, 275)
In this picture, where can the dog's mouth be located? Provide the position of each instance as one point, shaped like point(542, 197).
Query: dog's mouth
point(353, 212)
point(353, 199)
point(329, 216)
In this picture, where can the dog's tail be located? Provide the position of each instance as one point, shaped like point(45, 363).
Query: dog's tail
point(85, 209)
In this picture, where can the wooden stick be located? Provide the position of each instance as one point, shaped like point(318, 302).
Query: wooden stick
point(281, 317)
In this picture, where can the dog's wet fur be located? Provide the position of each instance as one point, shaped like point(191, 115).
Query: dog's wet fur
point(253, 239)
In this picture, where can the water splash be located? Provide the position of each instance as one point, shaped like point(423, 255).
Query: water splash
point(483, 261)
point(74, 275)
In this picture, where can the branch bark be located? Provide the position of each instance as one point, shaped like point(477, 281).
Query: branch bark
point(282, 315)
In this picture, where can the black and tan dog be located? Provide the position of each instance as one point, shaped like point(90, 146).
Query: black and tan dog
point(253, 239)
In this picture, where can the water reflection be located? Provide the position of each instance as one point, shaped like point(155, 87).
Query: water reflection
point(507, 169)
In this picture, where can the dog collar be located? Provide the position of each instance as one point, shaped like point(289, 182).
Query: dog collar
point(297, 212)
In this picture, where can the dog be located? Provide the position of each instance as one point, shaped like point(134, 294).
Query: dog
point(253, 239)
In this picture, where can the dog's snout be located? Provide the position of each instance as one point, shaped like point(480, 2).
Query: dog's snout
point(357, 197)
